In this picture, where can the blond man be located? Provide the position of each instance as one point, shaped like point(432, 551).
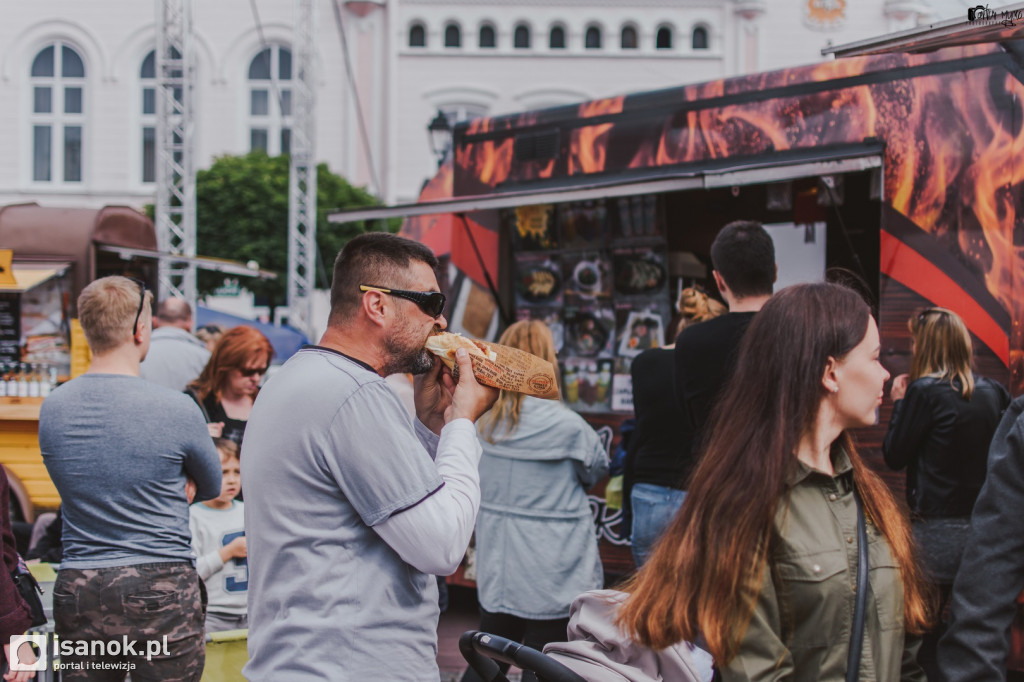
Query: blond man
point(120, 451)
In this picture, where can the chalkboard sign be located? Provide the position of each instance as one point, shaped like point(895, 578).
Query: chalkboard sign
point(10, 327)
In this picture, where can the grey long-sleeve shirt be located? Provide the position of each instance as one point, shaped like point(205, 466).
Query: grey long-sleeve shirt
point(119, 448)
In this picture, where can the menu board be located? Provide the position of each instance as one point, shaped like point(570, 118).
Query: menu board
point(534, 228)
point(10, 327)
point(597, 273)
point(538, 280)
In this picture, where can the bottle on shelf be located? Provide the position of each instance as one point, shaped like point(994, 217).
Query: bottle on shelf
point(3, 380)
point(44, 381)
point(33, 381)
point(23, 380)
point(12, 380)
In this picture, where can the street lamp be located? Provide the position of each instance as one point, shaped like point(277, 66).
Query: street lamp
point(440, 136)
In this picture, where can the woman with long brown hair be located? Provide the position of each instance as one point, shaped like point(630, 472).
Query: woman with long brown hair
point(943, 419)
point(535, 537)
point(760, 562)
point(227, 387)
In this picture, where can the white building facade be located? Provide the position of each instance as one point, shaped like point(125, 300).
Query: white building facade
point(78, 108)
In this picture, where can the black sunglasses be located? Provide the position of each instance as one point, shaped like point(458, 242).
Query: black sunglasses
point(430, 302)
point(142, 302)
point(252, 372)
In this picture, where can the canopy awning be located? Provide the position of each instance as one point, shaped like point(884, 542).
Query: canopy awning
point(228, 267)
point(988, 26)
point(445, 224)
point(611, 187)
point(33, 274)
point(285, 340)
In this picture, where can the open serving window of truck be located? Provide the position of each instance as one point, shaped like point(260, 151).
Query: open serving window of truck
point(53, 253)
point(900, 168)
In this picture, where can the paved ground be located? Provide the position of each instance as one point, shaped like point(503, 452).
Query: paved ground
point(461, 615)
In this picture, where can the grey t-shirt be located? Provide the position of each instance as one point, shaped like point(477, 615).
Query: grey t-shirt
point(175, 358)
point(118, 448)
point(329, 452)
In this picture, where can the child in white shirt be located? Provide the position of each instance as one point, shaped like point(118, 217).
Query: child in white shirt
point(218, 539)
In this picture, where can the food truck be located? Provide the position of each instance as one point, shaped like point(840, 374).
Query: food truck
point(899, 168)
point(47, 256)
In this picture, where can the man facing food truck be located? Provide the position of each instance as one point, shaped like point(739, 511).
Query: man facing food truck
point(352, 504)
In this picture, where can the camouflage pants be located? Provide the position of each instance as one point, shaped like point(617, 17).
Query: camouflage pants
point(155, 606)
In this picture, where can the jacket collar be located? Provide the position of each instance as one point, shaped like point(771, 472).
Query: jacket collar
point(177, 333)
point(840, 467)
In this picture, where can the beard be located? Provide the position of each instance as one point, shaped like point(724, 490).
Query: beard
point(409, 362)
point(406, 355)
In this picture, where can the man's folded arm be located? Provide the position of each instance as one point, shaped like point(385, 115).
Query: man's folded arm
point(433, 534)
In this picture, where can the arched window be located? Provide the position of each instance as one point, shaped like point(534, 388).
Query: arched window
point(147, 76)
point(417, 35)
point(58, 114)
point(663, 41)
point(592, 39)
point(452, 36)
point(147, 86)
point(521, 37)
point(556, 40)
point(700, 38)
point(487, 37)
point(270, 100)
point(629, 38)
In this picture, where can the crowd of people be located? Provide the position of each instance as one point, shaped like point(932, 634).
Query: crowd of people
point(760, 534)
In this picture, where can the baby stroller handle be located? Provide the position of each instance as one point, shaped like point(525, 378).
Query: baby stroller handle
point(481, 650)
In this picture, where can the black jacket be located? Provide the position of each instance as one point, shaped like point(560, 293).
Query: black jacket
point(943, 440)
point(660, 450)
point(704, 358)
point(991, 573)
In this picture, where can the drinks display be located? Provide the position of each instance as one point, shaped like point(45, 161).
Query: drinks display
point(587, 384)
point(12, 380)
point(572, 385)
point(27, 380)
point(604, 381)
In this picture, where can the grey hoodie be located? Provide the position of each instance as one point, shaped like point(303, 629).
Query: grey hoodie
point(600, 652)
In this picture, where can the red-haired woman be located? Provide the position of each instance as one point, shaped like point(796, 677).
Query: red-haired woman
point(227, 387)
point(761, 560)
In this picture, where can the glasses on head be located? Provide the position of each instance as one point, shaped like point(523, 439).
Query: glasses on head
point(250, 372)
point(142, 303)
point(921, 316)
point(430, 302)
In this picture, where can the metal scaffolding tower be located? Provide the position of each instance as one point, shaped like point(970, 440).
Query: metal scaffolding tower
point(176, 183)
point(302, 177)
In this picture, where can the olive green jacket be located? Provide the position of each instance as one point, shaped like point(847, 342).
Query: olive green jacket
point(800, 629)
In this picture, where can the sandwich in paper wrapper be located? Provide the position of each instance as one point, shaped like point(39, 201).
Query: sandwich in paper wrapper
point(499, 366)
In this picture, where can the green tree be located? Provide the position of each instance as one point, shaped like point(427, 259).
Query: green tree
point(242, 214)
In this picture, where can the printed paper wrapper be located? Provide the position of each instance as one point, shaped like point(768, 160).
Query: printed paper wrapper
point(515, 370)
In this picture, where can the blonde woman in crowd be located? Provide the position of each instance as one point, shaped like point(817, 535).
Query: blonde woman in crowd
point(535, 537)
point(943, 419)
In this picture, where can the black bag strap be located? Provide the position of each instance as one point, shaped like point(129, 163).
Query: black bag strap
point(857, 633)
point(192, 393)
point(28, 587)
